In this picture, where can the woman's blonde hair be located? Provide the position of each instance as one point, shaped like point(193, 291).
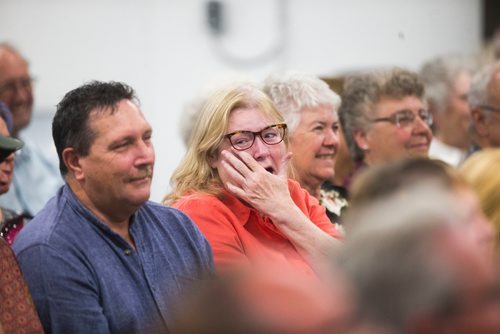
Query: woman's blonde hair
point(481, 171)
point(194, 173)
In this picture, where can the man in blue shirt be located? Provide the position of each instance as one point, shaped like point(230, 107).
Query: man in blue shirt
point(101, 258)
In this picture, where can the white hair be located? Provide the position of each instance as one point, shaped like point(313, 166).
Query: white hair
point(291, 92)
point(439, 75)
point(478, 94)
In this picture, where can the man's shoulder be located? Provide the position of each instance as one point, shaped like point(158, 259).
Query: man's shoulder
point(46, 225)
point(167, 223)
point(162, 210)
point(170, 218)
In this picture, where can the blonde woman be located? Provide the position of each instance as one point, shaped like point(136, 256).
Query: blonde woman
point(233, 184)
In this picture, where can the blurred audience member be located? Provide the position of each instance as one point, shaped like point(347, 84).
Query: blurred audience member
point(447, 84)
point(189, 117)
point(482, 171)
point(36, 178)
point(310, 110)
point(344, 165)
point(384, 116)
point(266, 302)
point(414, 270)
point(233, 183)
point(404, 175)
point(100, 257)
point(10, 221)
point(484, 101)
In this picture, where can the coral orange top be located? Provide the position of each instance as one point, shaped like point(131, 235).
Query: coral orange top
point(240, 235)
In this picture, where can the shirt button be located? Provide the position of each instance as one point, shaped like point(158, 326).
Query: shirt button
point(128, 252)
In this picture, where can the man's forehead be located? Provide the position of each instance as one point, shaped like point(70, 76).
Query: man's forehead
point(12, 65)
point(123, 108)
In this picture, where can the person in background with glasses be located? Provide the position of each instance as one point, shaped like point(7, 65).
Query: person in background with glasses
point(447, 83)
point(384, 116)
point(36, 177)
point(484, 101)
point(233, 184)
point(310, 109)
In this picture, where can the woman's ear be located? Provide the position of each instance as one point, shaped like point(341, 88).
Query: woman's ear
point(361, 140)
point(213, 159)
point(73, 164)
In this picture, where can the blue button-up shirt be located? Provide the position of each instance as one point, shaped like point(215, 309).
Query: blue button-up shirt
point(84, 278)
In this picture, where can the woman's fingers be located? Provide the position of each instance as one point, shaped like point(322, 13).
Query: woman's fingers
point(233, 175)
point(236, 163)
point(238, 192)
point(250, 162)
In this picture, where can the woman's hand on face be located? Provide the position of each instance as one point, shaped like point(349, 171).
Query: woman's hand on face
point(249, 181)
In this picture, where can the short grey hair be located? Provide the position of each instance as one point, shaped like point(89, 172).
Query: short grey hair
point(478, 94)
point(363, 91)
point(439, 75)
point(291, 92)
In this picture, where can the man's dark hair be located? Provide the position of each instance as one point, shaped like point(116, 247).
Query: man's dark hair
point(70, 126)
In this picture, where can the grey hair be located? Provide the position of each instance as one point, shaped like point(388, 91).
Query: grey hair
point(392, 257)
point(291, 92)
point(363, 91)
point(478, 94)
point(439, 75)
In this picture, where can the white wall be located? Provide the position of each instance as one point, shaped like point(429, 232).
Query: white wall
point(164, 50)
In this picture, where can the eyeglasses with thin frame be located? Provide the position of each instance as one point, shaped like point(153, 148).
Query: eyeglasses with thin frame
point(404, 118)
point(490, 108)
point(271, 135)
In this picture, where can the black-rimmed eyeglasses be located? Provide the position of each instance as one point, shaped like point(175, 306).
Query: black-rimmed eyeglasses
point(405, 118)
point(271, 135)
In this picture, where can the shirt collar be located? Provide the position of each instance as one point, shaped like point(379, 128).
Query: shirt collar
point(81, 209)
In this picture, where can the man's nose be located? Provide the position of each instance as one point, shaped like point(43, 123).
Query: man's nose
point(145, 152)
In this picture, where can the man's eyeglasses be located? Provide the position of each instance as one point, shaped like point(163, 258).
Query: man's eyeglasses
point(405, 118)
point(490, 108)
point(11, 86)
point(271, 135)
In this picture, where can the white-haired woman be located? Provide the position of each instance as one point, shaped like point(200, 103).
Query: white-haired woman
point(310, 110)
